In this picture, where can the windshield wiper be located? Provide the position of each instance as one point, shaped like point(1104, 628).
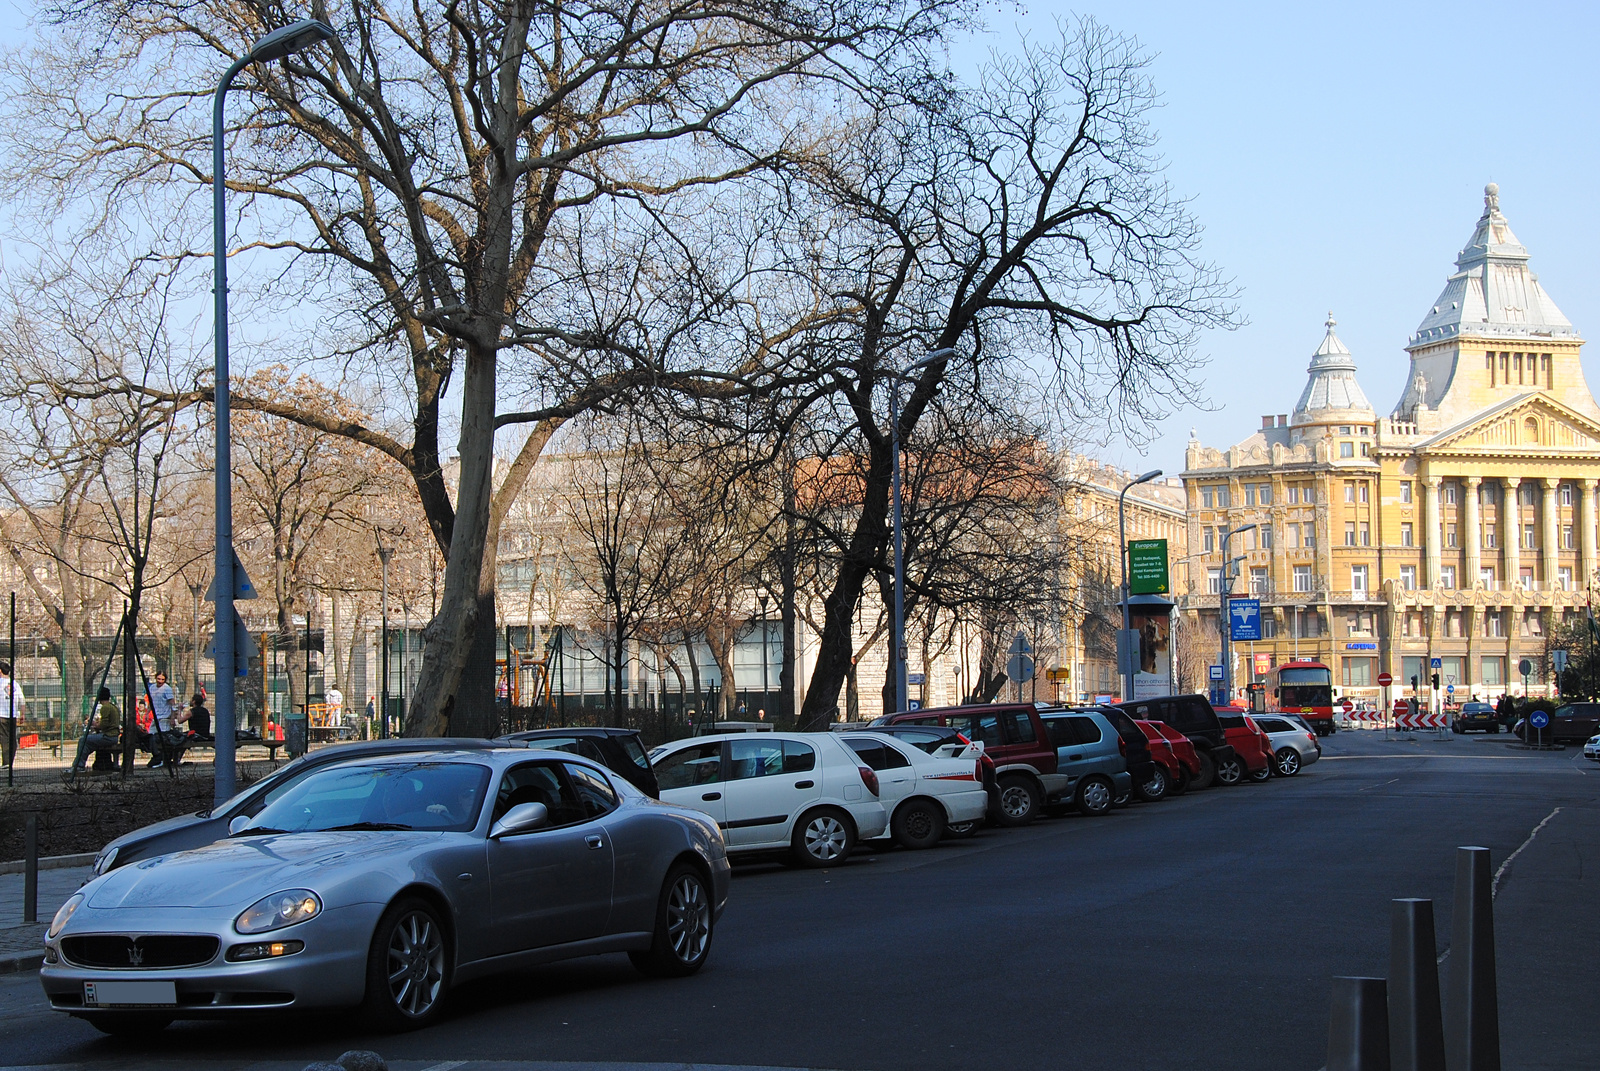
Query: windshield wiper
point(364, 826)
point(254, 831)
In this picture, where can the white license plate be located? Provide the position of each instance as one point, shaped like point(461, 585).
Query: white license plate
point(130, 994)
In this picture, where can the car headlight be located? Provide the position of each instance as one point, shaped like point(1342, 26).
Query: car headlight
point(279, 910)
point(104, 860)
point(64, 915)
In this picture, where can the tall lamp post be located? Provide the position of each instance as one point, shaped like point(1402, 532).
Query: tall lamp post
point(898, 659)
point(384, 554)
point(229, 577)
point(1230, 569)
point(1123, 654)
point(762, 599)
point(196, 590)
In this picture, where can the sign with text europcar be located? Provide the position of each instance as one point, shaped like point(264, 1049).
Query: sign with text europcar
point(1147, 567)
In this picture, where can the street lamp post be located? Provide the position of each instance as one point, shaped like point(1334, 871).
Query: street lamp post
point(1229, 571)
point(898, 659)
point(384, 554)
point(762, 599)
point(196, 590)
point(1124, 654)
point(275, 45)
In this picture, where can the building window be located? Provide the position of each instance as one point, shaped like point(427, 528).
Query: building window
point(1525, 577)
point(1358, 579)
point(1447, 575)
point(1365, 450)
point(1406, 536)
point(1366, 534)
point(1359, 623)
point(1489, 494)
point(1494, 623)
point(1492, 671)
point(1249, 494)
point(1531, 623)
point(1344, 430)
point(1347, 449)
point(1269, 627)
point(1266, 537)
point(1405, 490)
point(1223, 497)
point(1566, 494)
point(1208, 498)
point(1366, 489)
point(1302, 578)
point(1450, 494)
point(1566, 536)
point(1349, 533)
point(1264, 493)
point(1527, 537)
point(1564, 578)
point(1349, 491)
point(1294, 494)
point(1489, 537)
point(1258, 581)
point(1293, 532)
point(1358, 672)
point(1486, 576)
point(1206, 543)
point(1214, 581)
point(1408, 577)
point(1309, 538)
point(1528, 494)
point(1450, 535)
point(1309, 495)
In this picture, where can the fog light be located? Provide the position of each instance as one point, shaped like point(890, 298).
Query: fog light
point(50, 955)
point(271, 950)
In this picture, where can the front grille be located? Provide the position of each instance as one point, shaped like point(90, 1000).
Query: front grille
point(150, 952)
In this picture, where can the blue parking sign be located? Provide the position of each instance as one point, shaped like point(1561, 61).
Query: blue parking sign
point(1244, 619)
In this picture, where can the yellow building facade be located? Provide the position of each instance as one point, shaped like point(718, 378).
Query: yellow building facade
point(1446, 537)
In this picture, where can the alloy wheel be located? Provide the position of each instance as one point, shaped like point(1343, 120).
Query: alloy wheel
point(1096, 797)
point(416, 964)
point(826, 838)
point(1288, 762)
point(688, 919)
point(1016, 801)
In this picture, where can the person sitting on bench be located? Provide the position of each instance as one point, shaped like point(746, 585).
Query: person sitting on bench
point(103, 736)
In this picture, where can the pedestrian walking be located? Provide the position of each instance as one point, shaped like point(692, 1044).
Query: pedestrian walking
point(12, 709)
point(335, 703)
point(165, 719)
point(104, 735)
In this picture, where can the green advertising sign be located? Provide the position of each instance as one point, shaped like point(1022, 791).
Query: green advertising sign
point(1147, 567)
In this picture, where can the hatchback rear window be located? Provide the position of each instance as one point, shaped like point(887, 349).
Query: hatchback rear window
point(1274, 725)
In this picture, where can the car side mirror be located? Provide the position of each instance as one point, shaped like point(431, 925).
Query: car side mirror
point(238, 824)
point(523, 818)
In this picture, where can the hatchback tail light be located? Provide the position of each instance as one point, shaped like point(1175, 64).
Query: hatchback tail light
point(977, 771)
point(869, 779)
point(1122, 746)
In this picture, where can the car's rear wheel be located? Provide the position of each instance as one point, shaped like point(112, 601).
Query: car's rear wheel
point(1156, 786)
point(407, 966)
point(683, 926)
point(129, 1024)
point(823, 837)
point(918, 824)
point(1288, 762)
point(1208, 770)
point(1019, 801)
point(1230, 771)
point(1262, 774)
point(1094, 795)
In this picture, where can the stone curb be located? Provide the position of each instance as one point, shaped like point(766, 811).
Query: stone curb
point(21, 962)
point(49, 862)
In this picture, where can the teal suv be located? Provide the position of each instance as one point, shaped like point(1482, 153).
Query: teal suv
point(1092, 755)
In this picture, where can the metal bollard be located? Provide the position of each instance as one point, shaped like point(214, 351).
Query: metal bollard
point(1416, 1029)
point(1472, 1006)
point(30, 869)
point(1358, 1025)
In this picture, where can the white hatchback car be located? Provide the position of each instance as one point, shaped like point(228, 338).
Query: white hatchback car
point(922, 793)
point(805, 792)
point(1591, 749)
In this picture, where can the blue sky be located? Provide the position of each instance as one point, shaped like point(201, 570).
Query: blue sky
point(1336, 154)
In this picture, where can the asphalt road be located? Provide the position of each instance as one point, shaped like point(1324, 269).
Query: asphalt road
point(1196, 933)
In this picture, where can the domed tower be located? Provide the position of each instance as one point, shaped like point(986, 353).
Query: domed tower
point(1332, 396)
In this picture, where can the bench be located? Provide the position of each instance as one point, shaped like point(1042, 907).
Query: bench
point(210, 743)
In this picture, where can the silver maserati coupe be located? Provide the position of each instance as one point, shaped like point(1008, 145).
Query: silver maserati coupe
point(381, 882)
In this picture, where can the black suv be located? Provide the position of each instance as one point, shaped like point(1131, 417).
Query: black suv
point(618, 750)
point(1192, 716)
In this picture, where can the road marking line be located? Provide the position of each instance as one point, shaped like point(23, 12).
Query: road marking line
point(1494, 888)
point(448, 1065)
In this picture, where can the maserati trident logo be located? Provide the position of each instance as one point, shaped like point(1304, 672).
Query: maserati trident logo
point(135, 956)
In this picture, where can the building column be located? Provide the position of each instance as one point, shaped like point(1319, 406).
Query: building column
point(1586, 534)
point(1547, 521)
point(1430, 527)
point(1511, 519)
point(1472, 537)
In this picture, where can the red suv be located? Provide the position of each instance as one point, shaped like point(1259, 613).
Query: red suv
point(1252, 749)
point(1175, 752)
point(1015, 738)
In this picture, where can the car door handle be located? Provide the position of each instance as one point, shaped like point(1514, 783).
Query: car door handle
point(805, 784)
point(594, 841)
point(1074, 757)
point(712, 796)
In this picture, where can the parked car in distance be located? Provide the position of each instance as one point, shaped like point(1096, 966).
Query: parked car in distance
point(1192, 716)
point(1092, 755)
point(1176, 754)
point(1252, 751)
point(1294, 742)
point(1572, 723)
point(718, 728)
point(923, 794)
point(618, 750)
point(202, 827)
point(1591, 749)
point(1150, 777)
point(1013, 736)
point(381, 882)
point(806, 794)
point(1479, 716)
point(942, 741)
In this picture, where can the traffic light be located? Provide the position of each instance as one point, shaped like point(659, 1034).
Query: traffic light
point(1435, 680)
point(1413, 682)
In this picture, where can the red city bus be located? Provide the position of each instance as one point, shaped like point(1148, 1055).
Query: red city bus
point(1306, 689)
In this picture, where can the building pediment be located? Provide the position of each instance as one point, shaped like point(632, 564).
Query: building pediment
point(1530, 423)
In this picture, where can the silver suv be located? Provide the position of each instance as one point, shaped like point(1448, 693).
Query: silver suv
point(1294, 742)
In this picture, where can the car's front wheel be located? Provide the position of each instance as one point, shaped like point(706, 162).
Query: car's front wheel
point(1230, 771)
point(1156, 786)
point(683, 926)
point(918, 824)
point(822, 837)
point(407, 966)
point(1288, 762)
point(1019, 801)
point(1094, 796)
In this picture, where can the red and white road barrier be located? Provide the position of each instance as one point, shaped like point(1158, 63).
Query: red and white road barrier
point(1422, 720)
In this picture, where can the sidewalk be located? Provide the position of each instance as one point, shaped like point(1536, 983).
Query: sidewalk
point(21, 944)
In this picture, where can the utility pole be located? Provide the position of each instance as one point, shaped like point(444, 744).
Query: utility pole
point(1230, 569)
point(384, 554)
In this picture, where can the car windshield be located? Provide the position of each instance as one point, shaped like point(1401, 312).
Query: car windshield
point(434, 796)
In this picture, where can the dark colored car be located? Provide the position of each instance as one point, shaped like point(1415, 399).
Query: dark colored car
point(1573, 723)
point(1150, 779)
point(1480, 716)
point(1252, 751)
point(1174, 752)
point(618, 750)
point(1192, 716)
point(930, 738)
point(203, 827)
point(1013, 736)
